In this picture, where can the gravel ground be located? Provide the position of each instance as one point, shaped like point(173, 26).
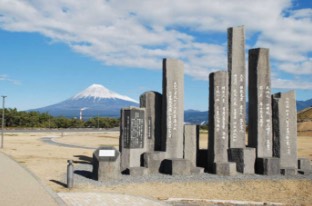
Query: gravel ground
point(83, 175)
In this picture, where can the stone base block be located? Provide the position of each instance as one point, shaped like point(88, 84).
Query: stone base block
point(268, 166)
point(225, 168)
point(244, 158)
point(106, 167)
point(304, 164)
point(138, 171)
point(152, 161)
point(176, 166)
point(305, 172)
point(197, 170)
point(288, 171)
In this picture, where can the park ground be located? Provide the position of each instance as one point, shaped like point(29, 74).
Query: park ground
point(49, 162)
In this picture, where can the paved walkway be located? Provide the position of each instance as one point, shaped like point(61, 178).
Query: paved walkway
point(19, 187)
point(107, 199)
point(51, 140)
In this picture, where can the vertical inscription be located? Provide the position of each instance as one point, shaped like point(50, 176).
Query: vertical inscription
point(238, 105)
point(134, 129)
point(217, 108)
point(287, 135)
point(234, 108)
point(172, 109)
point(242, 104)
point(265, 115)
point(268, 117)
point(223, 111)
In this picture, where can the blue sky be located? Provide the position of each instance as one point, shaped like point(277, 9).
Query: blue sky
point(51, 50)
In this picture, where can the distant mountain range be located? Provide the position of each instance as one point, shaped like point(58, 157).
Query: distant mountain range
point(304, 104)
point(97, 100)
point(94, 101)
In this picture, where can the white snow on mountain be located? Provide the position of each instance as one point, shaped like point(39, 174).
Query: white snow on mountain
point(98, 91)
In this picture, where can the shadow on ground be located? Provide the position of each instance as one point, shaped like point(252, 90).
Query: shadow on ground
point(83, 159)
point(59, 183)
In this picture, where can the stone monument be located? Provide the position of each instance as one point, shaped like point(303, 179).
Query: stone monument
point(237, 87)
point(218, 125)
point(285, 131)
point(260, 112)
point(132, 137)
point(173, 108)
point(260, 104)
point(153, 138)
point(238, 153)
point(152, 102)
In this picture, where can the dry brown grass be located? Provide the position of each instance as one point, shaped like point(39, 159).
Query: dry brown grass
point(49, 162)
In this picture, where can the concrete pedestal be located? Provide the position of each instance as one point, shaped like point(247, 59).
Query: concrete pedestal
point(288, 171)
point(226, 169)
point(176, 166)
point(138, 171)
point(152, 161)
point(106, 164)
point(268, 166)
point(244, 158)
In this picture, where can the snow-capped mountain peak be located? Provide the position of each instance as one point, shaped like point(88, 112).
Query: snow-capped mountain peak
point(98, 91)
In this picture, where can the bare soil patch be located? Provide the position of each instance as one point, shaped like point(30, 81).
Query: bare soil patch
point(49, 163)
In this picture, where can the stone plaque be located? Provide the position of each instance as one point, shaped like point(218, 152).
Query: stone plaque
point(260, 103)
point(237, 89)
point(106, 153)
point(134, 128)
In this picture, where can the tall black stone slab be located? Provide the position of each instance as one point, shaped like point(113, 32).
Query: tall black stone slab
point(259, 99)
point(133, 137)
point(237, 87)
point(152, 102)
point(218, 119)
point(173, 108)
point(285, 128)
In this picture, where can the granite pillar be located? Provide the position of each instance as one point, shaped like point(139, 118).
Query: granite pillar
point(259, 99)
point(173, 108)
point(218, 124)
point(152, 102)
point(237, 87)
point(285, 129)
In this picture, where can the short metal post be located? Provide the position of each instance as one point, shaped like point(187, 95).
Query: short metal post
point(70, 174)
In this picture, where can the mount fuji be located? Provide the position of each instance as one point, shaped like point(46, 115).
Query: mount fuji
point(94, 101)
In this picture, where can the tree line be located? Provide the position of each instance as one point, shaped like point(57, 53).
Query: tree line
point(22, 119)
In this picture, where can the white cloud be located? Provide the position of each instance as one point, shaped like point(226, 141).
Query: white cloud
point(290, 84)
point(139, 34)
point(304, 67)
point(4, 77)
